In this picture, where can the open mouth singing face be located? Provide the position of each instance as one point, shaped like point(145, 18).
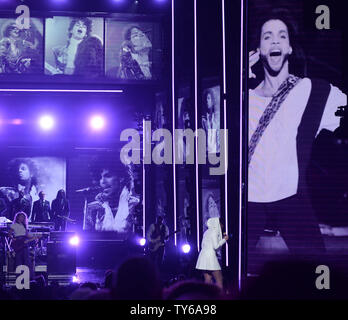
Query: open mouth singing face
point(14, 32)
point(79, 30)
point(109, 182)
point(275, 44)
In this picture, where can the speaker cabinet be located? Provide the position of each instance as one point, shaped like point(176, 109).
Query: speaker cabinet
point(61, 258)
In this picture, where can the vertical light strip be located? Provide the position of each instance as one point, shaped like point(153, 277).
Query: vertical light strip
point(225, 118)
point(223, 47)
point(144, 181)
point(173, 116)
point(240, 147)
point(196, 121)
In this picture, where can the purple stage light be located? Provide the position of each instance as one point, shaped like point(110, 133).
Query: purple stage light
point(46, 122)
point(74, 241)
point(142, 242)
point(186, 248)
point(59, 1)
point(97, 123)
point(16, 122)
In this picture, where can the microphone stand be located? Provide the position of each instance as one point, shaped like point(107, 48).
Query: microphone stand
point(84, 210)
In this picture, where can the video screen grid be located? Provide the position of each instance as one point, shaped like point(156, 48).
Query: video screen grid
point(100, 191)
point(107, 49)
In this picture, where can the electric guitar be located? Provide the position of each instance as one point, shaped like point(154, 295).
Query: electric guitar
point(156, 243)
point(20, 243)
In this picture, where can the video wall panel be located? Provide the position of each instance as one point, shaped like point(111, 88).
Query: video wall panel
point(296, 165)
point(74, 46)
point(101, 190)
point(23, 178)
point(125, 49)
point(21, 51)
point(132, 50)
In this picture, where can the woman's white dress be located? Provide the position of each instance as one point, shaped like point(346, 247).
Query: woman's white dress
point(207, 259)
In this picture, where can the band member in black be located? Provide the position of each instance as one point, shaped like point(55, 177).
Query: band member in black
point(60, 210)
point(41, 209)
point(156, 237)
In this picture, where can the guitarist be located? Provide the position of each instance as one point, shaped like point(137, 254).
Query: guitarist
point(156, 237)
point(60, 210)
point(19, 231)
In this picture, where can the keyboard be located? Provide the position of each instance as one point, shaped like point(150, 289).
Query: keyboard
point(41, 226)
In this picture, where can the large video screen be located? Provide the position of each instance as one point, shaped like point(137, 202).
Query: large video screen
point(133, 50)
point(296, 165)
point(102, 193)
point(211, 118)
point(74, 46)
point(21, 50)
point(22, 180)
point(185, 120)
point(211, 201)
point(125, 49)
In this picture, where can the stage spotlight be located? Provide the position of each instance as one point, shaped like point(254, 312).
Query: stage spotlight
point(74, 241)
point(97, 123)
point(46, 122)
point(142, 242)
point(59, 1)
point(186, 248)
point(75, 279)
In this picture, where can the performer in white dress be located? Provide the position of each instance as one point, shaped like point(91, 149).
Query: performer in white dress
point(207, 259)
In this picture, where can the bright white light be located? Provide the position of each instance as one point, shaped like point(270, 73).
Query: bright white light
point(75, 279)
point(46, 122)
point(97, 122)
point(74, 241)
point(186, 248)
point(142, 242)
